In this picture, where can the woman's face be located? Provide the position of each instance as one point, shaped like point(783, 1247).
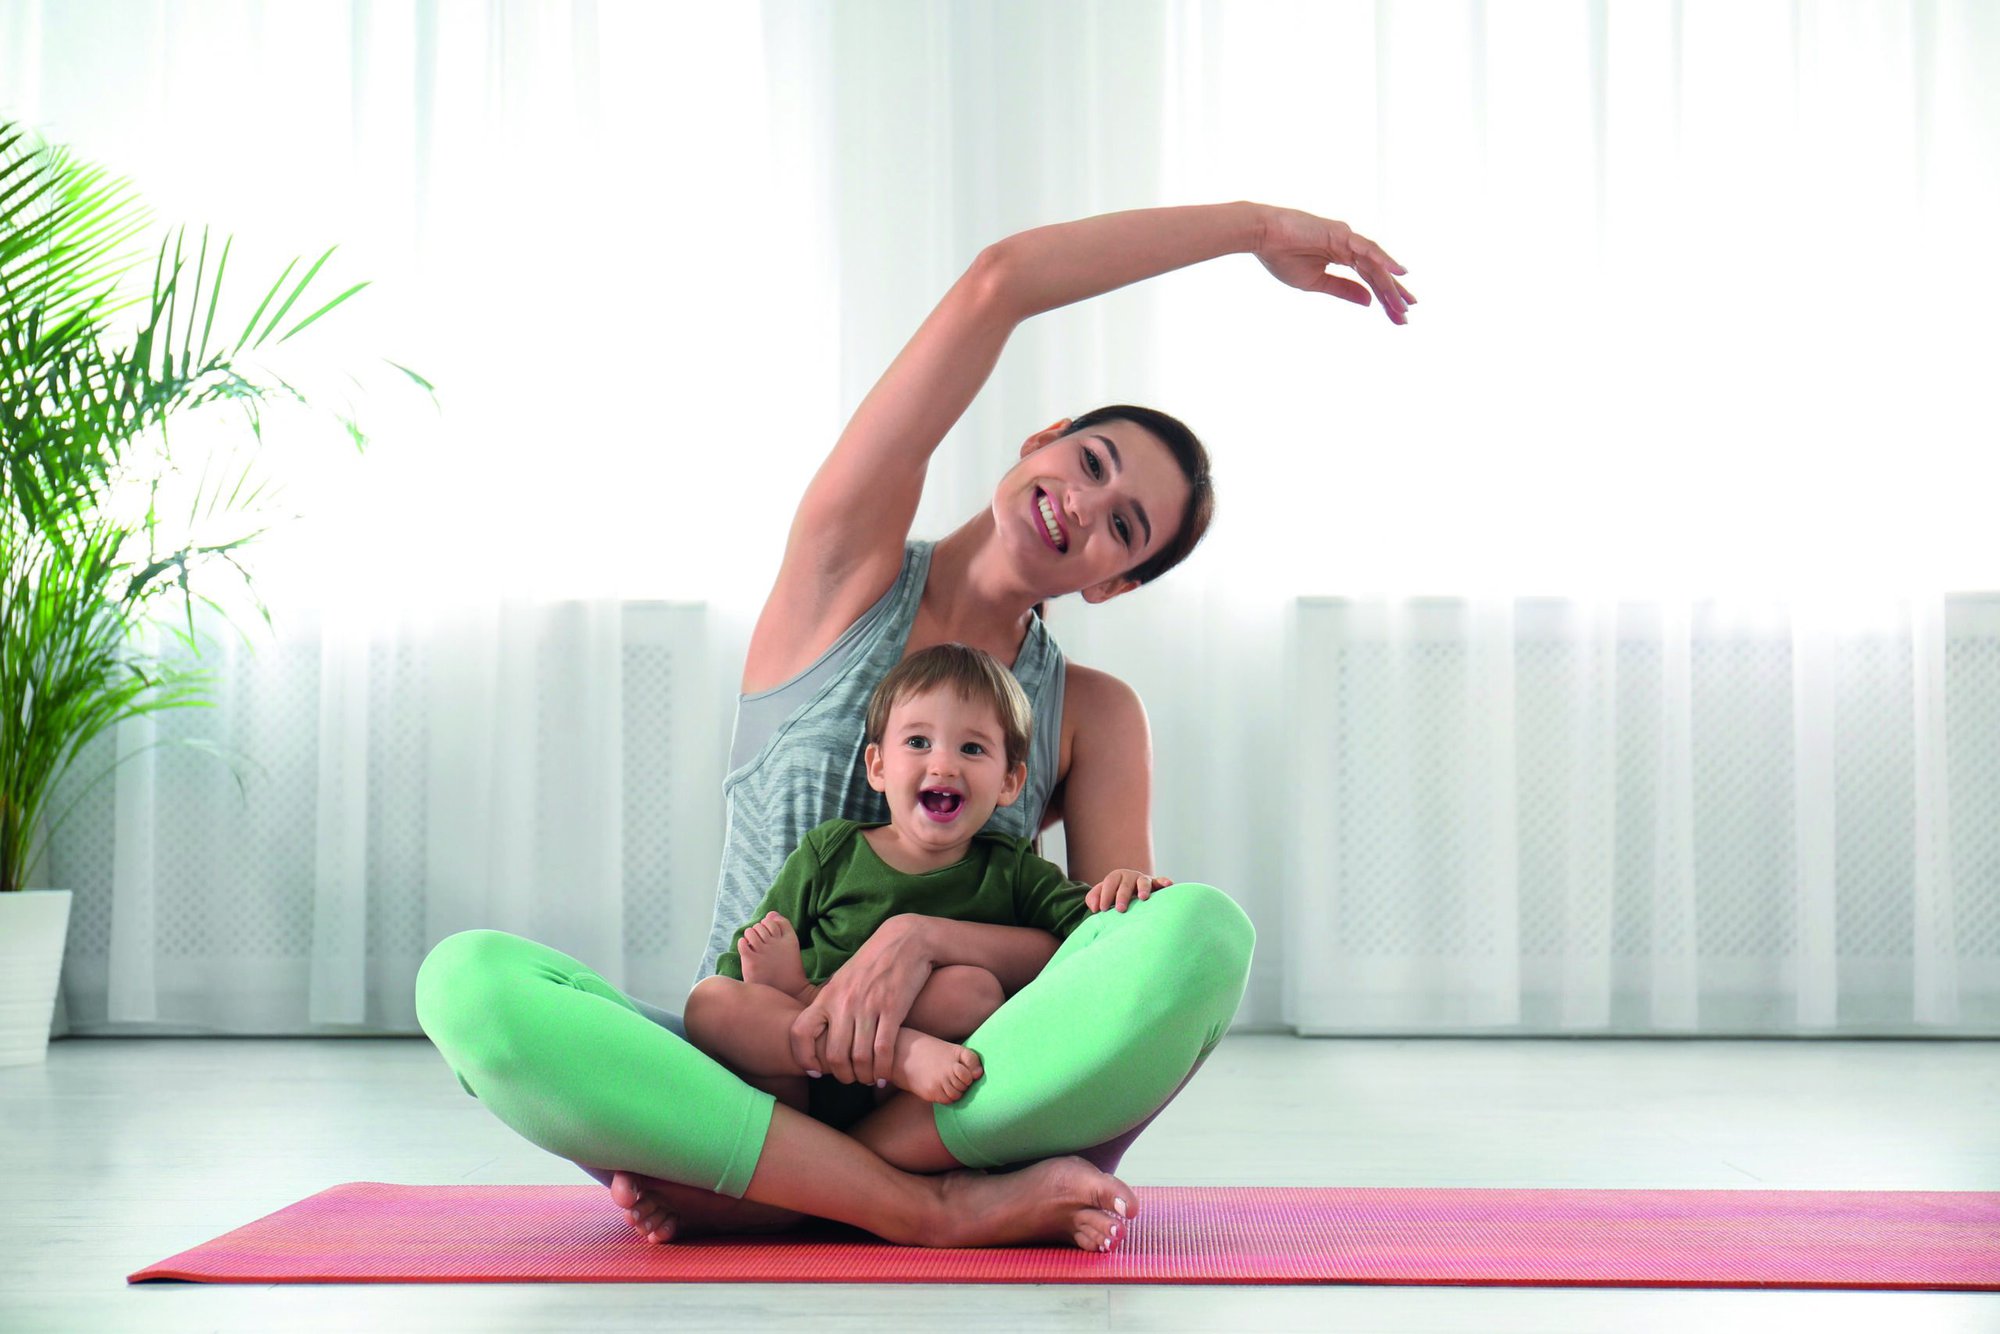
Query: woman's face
point(1080, 510)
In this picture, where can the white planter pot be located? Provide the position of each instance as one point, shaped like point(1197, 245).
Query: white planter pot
point(34, 923)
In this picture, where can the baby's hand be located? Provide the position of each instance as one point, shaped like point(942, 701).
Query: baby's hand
point(1120, 887)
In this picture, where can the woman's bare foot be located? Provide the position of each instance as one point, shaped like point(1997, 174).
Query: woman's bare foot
point(770, 954)
point(662, 1211)
point(1062, 1199)
point(933, 1069)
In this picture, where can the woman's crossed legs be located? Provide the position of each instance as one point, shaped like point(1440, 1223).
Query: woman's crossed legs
point(1087, 1053)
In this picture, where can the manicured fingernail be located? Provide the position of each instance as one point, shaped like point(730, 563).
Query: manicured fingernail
point(1104, 1245)
point(1119, 1205)
point(881, 1083)
point(812, 1074)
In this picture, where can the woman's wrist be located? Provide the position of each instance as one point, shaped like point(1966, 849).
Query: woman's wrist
point(915, 935)
point(1257, 224)
point(1013, 954)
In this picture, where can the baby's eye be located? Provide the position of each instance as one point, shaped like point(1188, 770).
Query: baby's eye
point(973, 748)
point(918, 743)
point(1090, 462)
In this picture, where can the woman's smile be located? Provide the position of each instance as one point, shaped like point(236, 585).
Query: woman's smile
point(1049, 523)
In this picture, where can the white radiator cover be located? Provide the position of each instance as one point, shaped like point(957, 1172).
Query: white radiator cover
point(402, 786)
point(1521, 815)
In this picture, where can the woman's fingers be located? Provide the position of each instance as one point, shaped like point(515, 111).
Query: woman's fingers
point(1377, 266)
point(842, 1046)
point(1333, 284)
point(1393, 304)
point(885, 1050)
point(807, 1031)
point(865, 1032)
point(860, 1054)
point(1363, 252)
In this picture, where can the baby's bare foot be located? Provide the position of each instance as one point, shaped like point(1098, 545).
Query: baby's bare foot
point(1063, 1199)
point(933, 1069)
point(770, 953)
point(662, 1211)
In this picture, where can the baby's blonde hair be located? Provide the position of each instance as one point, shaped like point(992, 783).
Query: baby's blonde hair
point(977, 676)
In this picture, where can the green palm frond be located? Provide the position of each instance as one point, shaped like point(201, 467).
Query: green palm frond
point(84, 416)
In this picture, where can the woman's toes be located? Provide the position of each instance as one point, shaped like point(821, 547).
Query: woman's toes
point(1097, 1231)
point(647, 1214)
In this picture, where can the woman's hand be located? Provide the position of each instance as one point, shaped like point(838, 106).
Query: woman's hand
point(1297, 248)
point(1120, 887)
point(849, 1029)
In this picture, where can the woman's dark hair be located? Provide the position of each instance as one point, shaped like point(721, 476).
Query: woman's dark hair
point(1188, 452)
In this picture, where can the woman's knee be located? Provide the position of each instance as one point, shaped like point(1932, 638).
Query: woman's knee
point(456, 980)
point(460, 987)
point(1205, 930)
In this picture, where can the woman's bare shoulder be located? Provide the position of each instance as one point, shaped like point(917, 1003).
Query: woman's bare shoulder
point(1100, 708)
point(1107, 774)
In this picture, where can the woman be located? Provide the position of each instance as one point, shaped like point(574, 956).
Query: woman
point(1124, 1012)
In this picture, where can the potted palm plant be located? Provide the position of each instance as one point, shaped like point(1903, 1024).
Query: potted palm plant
point(94, 369)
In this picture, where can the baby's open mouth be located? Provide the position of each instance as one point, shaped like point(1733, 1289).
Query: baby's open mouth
point(940, 804)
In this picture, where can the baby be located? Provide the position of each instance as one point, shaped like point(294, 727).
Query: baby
point(947, 743)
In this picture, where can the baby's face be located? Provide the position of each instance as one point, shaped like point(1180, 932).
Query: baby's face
point(942, 764)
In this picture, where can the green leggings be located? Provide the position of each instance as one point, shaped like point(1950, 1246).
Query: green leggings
point(1079, 1060)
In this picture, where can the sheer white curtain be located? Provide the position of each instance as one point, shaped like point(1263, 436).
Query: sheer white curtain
point(1684, 431)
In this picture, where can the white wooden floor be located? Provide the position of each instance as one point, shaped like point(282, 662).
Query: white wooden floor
point(120, 1152)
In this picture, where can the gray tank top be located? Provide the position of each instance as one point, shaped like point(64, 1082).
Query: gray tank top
point(796, 757)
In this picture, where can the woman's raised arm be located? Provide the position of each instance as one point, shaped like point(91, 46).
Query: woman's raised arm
point(1054, 266)
point(846, 541)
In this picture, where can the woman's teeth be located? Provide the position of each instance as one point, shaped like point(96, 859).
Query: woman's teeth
point(1049, 519)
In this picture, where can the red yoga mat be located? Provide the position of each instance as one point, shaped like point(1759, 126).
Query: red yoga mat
point(369, 1232)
